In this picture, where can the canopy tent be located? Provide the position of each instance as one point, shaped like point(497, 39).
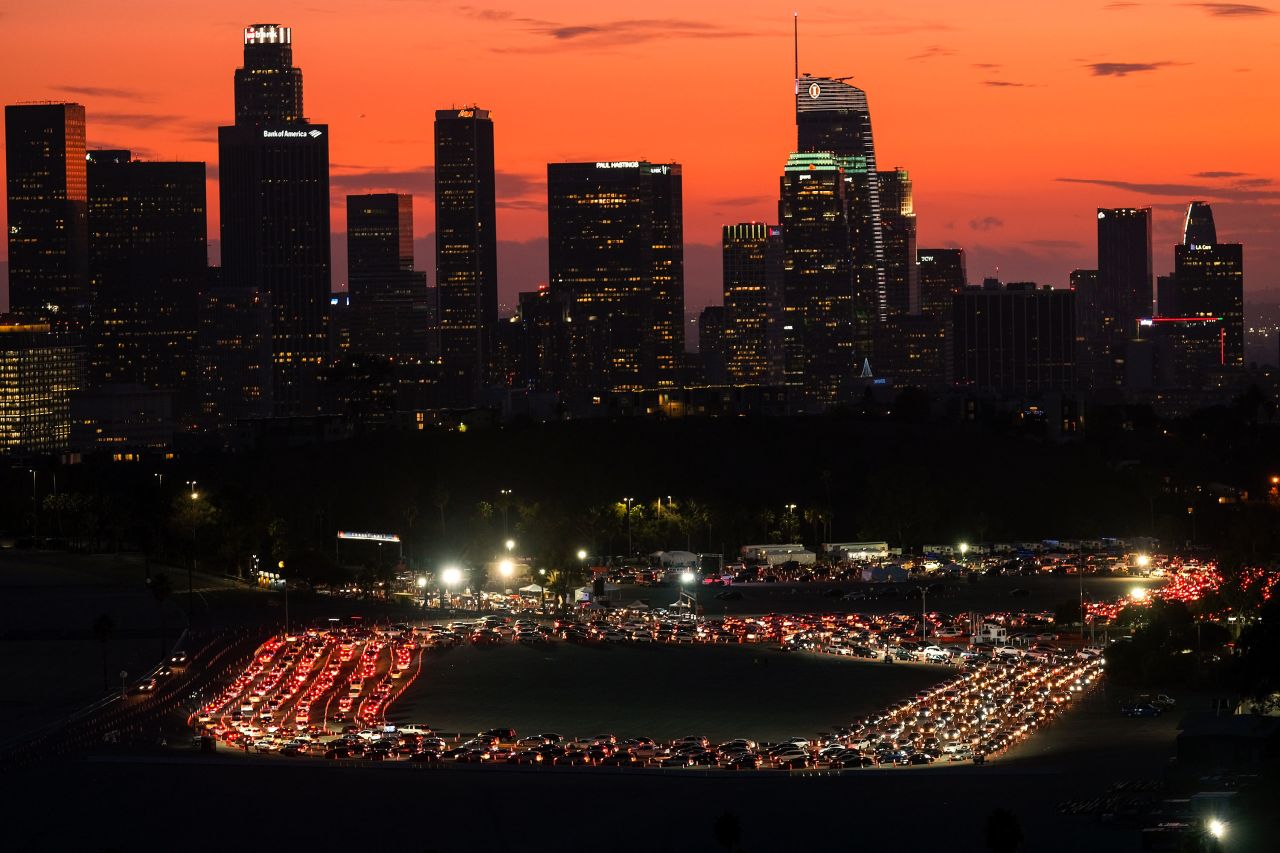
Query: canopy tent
point(677, 559)
point(636, 605)
point(533, 588)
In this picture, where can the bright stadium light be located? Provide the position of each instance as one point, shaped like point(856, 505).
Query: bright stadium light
point(1217, 828)
point(1138, 594)
point(506, 568)
point(1143, 561)
point(582, 553)
point(687, 577)
point(422, 582)
point(511, 544)
point(451, 576)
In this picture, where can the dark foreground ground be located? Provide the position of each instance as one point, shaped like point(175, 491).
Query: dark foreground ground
point(178, 800)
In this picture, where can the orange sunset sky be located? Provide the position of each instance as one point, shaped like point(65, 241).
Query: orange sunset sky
point(1016, 119)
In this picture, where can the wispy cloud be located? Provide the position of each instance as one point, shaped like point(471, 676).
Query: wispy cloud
point(1231, 10)
point(1231, 192)
point(986, 223)
point(102, 92)
point(933, 51)
point(1009, 84)
point(608, 32)
point(1054, 244)
point(1123, 69)
point(1218, 175)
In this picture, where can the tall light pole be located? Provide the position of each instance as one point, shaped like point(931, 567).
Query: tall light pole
point(924, 614)
point(542, 585)
point(627, 502)
point(285, 586)
point(35, 510)
point(506, 499)
point(450, 577)
point(191, 589)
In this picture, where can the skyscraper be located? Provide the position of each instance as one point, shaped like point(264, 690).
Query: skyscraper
point(753, 281)
point(1121, 293)
point(1207, 281)
point(234, 356)
point(48, 234)
point(833, 116)
point(388, 297)
point(942, 273)
point(466, 249)
point(828, 317)
point(898, 232)
point(711, 344)
point(1017, 339)
point(38, 372)
point(616, 248)
point(147, 263)
point(274, 191)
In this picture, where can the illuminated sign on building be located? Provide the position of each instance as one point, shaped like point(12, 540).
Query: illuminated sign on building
point(291, 134)
point(368, 537)
point(268, 34)
point(619, 164)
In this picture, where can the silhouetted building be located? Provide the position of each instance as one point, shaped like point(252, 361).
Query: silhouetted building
point(389, 312)
point(942, 274)
point(830, 320)
point(711, 345)
point(147, 263)
point(466, 250)
point(125, 422)
point(898, 232)
point(753, 281)
point(39, 370)
point(48, 234)
point(1113, 300)
point(269, 87)
point(544, 339)
point(274, 192)
point(616, 249)
point(1208, 281)
point(833, 116)
point(234, 356)
point(1016, 340)
point(912, 350)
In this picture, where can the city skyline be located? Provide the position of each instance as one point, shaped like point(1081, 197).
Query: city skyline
point(1030, 216)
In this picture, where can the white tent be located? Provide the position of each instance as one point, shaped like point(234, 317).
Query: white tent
point(533, 588)
point(636, 605)
point(677, 559)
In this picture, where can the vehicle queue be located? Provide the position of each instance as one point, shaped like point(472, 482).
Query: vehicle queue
point(327, 692)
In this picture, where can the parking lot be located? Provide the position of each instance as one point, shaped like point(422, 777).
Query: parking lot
point(349, 694)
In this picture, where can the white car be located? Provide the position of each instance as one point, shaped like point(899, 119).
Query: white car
point(933, 654)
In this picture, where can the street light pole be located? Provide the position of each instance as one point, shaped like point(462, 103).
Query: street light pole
point(191, 589)
point(627, 502)
point(35, 510)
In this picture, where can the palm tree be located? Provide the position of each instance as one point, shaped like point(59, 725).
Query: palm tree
point(1003, 832)
point(103, 628)
point(161, 589)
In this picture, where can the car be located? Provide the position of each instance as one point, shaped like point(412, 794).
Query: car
point(791, 762)
point(920, 758)
point(148, 685)
point(1141, 709)
point(337, 752)
point(745, 761)
point(526, 756)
